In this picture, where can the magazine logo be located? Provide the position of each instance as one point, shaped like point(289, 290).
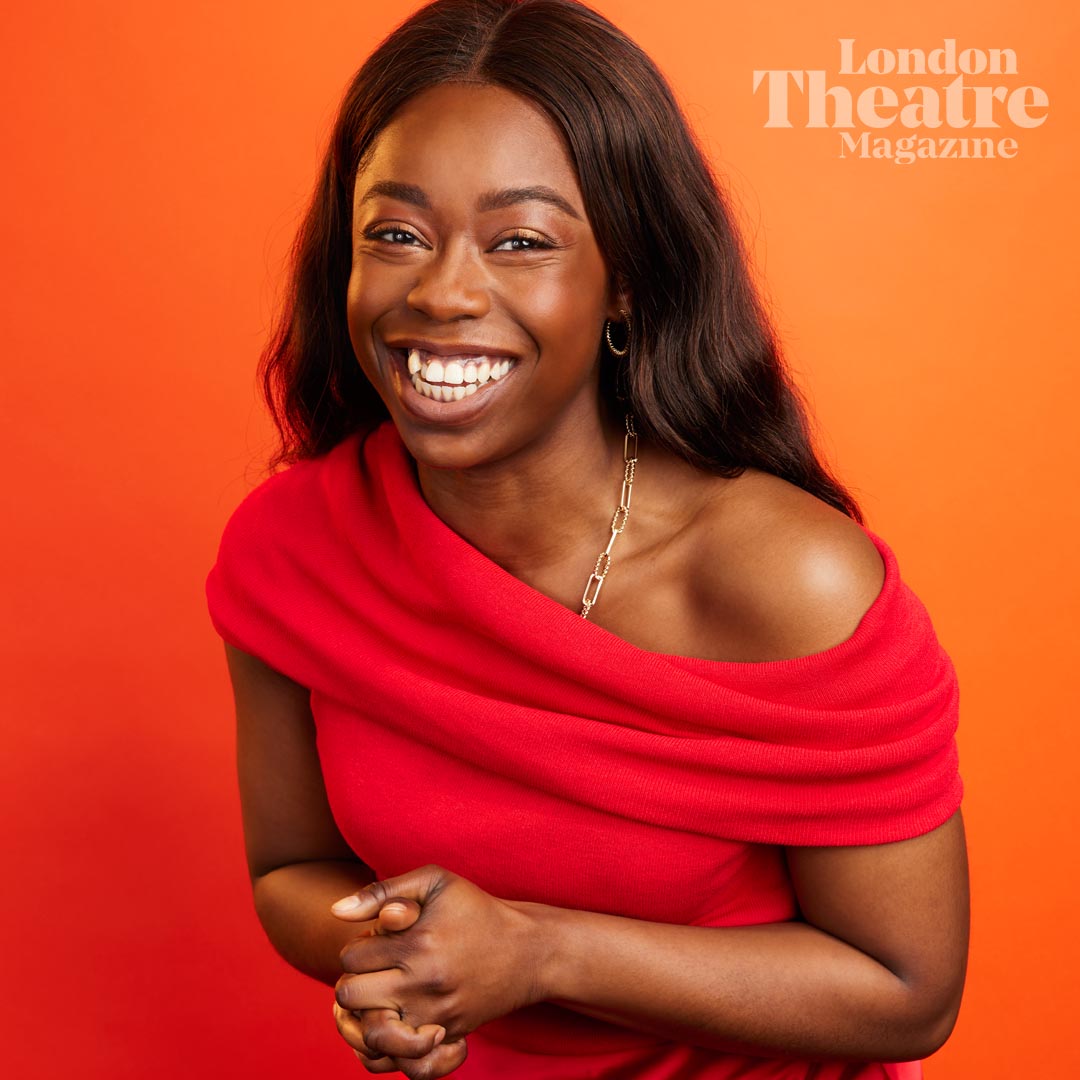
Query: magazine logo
point(959, 92)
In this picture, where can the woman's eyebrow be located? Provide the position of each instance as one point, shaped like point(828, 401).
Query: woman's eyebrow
point(490, 200)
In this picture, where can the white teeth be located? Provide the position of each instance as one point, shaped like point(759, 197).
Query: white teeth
point(452, 380)
point(446, 371)
point(473, 370)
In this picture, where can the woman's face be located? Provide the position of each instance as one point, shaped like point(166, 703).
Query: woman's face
point(471, 244)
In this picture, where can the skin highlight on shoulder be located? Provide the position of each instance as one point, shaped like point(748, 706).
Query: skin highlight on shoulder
point(749, 569)
point(780, 573)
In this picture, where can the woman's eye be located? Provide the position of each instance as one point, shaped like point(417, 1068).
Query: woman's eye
point(379, 234)
point(400, 237)
point(531, 243)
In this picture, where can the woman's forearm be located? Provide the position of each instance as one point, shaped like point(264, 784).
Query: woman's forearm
point(781, 989)
point(293, 905)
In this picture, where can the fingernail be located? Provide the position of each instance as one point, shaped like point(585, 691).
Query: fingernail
point(399, 909)
point(346, 903)
point(439, 1036)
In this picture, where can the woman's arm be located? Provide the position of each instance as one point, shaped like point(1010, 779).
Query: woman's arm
point(875, 972)
point(879, 977)
point(297, 859)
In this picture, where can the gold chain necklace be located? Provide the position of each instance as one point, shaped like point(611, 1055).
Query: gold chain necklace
point(618, 521)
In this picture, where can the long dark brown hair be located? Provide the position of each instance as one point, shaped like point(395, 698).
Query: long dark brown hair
point(705, 377)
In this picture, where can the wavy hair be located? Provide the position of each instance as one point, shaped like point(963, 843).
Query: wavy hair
point(705, 377)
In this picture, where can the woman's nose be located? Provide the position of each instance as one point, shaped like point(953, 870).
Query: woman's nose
point(451, 283)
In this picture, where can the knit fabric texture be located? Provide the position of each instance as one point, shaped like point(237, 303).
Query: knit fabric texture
point(463, 718)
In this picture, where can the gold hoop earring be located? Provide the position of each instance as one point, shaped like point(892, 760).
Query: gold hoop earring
point(607, 334)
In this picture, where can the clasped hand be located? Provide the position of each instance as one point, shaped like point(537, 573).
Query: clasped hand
point(438, 957)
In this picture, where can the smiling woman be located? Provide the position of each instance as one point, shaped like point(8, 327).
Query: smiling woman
point(443, 251)
point(705, 825)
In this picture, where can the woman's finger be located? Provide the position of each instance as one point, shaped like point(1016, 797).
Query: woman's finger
point(427, 1064)
point(362, 954)
point(382, 989)
point(376, 1033)
point(379, 951)
point(442, 1061)
point(386, 1033)
point(378, 1065)
point(351, 1029)
point(416, 885)
point(398, 913)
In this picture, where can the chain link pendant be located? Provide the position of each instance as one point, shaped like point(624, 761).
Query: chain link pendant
point(618, 520)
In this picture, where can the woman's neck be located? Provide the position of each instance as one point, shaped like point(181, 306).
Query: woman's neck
point(539, 507)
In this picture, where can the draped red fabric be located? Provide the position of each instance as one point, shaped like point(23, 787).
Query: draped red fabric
point(465, 719)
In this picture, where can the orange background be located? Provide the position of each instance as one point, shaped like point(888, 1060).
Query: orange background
point(156, 161)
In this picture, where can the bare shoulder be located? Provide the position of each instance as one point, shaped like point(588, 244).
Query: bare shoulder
point(781, 574)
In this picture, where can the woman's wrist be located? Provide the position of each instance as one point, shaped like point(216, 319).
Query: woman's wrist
point(544, 935)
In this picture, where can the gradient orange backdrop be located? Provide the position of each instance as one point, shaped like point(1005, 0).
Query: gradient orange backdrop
point(156, 160)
